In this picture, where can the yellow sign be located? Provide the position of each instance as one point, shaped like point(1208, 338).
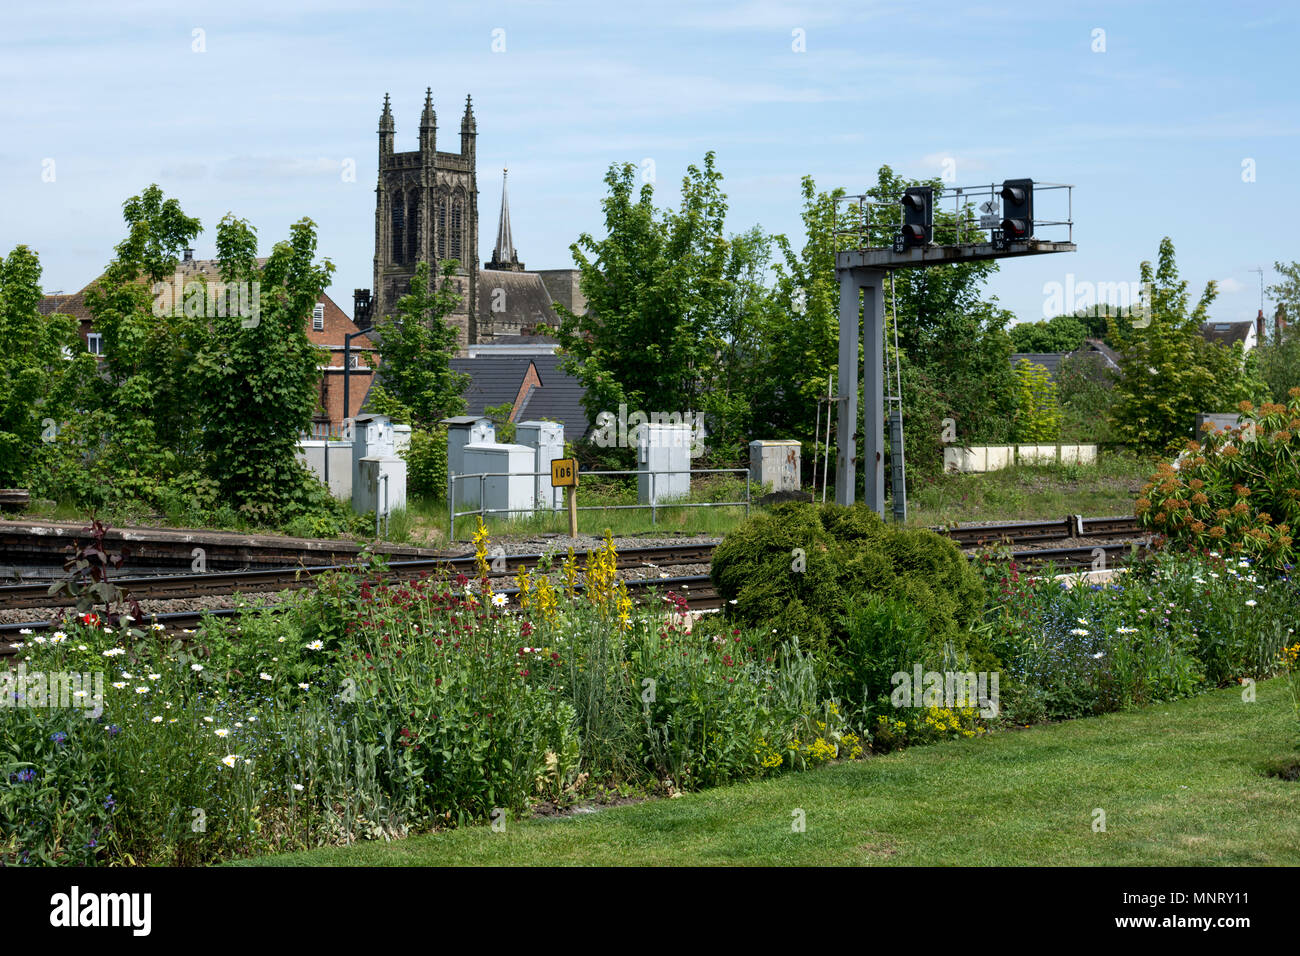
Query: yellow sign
point(564, 473)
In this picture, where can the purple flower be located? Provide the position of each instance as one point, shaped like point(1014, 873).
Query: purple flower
point(26, 776)
point(59, 737)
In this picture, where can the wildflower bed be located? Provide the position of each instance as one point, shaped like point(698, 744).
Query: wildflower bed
point(369, 710)
point(372, 710)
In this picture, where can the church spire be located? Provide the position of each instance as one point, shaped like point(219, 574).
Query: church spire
point(504, 257)
point(428, 127)
point(386, 129)
point(468, 129)
point(428, 117)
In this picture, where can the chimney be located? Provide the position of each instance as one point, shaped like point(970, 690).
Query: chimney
point(1279, 323)
point(1259, 328)
point(361, 308)
point(189, 254)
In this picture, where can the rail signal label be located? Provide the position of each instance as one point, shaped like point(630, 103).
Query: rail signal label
point(564, 473)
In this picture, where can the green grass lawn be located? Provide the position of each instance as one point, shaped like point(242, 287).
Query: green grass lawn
point(1030, 492)
point(1181, 784)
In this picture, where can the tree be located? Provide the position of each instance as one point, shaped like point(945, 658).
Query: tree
point(1038, 411)
point(953, 356)
point(657, 290)
point(42, 367)
point(1287, 292)
point(259, 375)
point(1061, 333)
point(1279, 363)
point(1169, 370)
point(416, 382)
point(143, 427)
point(1087, 390)
point(798, 332)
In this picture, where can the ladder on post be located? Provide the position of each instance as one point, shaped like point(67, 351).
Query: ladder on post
point(898, 469)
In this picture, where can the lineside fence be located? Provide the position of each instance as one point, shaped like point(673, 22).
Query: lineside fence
point(653, 505)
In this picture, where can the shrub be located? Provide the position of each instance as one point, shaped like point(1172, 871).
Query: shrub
point(883, 636)
point(1038, 410)
point(426, 463)
point(1237, 491)
point(797, 569)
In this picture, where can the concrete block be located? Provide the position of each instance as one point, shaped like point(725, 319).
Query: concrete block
point(997, 457)
point(775, 464)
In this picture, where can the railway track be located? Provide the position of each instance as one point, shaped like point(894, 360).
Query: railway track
point(175, 586)
point(698, 588)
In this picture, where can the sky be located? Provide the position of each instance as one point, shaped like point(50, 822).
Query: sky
point(1173, 119)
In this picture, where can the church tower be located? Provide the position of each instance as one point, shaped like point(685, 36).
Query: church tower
point(426, 210)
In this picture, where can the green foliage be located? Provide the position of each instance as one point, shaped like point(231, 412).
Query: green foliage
point(883, 636)
point(1087, 392)
point(1237, 491)
point(500, 415)
point(367, 709)
point(798, 568)
point(1174, 624)
point(1286, 292)
point(203, 392)
point(656, 284)
point(417, 385)
point(426, 463)
point(1038, 412)
point(1061, 333)
point(38, 386)
point(1279, 363)
point(1169, 371)
point(258, 383)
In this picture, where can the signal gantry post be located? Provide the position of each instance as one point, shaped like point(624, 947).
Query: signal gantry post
point(875, 240)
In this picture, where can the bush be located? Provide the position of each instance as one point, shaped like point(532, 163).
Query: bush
point(797, 570)
point(426, 463)
point(1238, 491)
point(1038, 409)
point(882, 637)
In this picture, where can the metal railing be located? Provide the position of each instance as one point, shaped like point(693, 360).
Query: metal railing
point(861, 222)
point(654, 505)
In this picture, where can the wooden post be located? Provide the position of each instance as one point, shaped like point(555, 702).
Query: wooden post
point(571, 497)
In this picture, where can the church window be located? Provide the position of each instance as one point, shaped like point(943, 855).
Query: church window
point(442, 227)
point(455, 229)
point(413, 231)
point(399, 228)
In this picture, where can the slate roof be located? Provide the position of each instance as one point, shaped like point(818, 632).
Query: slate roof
point(499, 379)
point(1049, 360)
point(1095, 350)
point(523, 297)
point(1226, 333)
